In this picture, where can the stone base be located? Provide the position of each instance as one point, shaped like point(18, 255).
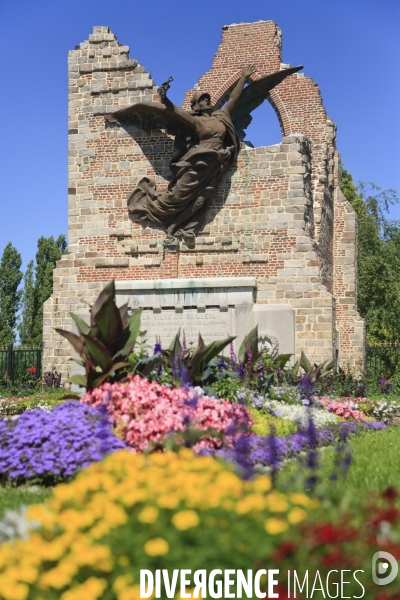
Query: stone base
point(215, 308)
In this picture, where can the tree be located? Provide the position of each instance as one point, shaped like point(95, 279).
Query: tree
point(38, 287)
point(10, 296)
point(378, 292)
point(25, 326)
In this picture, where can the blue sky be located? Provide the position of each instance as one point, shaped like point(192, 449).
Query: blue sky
point(350, 48)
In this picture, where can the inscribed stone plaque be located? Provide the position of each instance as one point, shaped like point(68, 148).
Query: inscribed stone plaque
point(212, 323)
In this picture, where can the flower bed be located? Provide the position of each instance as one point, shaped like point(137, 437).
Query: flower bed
point(181, 511)
point(268, 450)
point(123, 514)
point(147, 413)
point(46, 447)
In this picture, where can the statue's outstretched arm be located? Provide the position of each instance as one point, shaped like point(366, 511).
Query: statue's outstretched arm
point(237, 90)
point(171, 107)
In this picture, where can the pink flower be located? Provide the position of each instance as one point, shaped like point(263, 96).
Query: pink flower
point(342, 408)
point(147, 412)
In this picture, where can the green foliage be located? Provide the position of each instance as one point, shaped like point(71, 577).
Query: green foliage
point(10, 296)
point(38, 287)
point(105, 345)
point(315, 372)
point(378, 291)
point(264, 423)
point(196, 364)
point(12, 498)
point(227, 388)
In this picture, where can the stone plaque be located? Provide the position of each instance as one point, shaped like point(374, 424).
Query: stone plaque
point(212, 323)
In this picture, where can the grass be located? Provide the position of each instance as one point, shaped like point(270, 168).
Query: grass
point(374, 467)
point(13, 497)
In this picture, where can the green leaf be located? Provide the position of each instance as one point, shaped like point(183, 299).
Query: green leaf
point(106, 295)
point(250, 342)
point(129, 338)
point(80, 323)
point(123, 311)
point(70, 396)
point(100, 380)
point(147, 365)
point(79, 362)
point(305, 363)
point(73, 339)
point(281, 360)
point(109, 323)
point(175, 347)
point(98, 352)
point(204, 354)
point(78, 379)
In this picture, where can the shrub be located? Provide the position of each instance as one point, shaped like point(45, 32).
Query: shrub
point(146, 413)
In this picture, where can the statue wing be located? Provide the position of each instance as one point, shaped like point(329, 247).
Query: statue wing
point(151, 115)
point(254, 94)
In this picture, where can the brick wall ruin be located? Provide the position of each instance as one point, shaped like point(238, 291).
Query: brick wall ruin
point(279, 216)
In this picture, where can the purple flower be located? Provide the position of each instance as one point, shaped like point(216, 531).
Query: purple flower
point(48, 447)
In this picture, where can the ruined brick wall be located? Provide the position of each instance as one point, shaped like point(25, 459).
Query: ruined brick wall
point(277, 216)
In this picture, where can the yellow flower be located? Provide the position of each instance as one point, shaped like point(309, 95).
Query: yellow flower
point(276, 502)
point(302, 499)
point(296, 515)
point(263, 483)
point(185, 519)
point(275, 525)
point(148, 515)
point(156, 547)
point(91, 589)
point(131, 593)
point(122, 582)
point(168, 501)
point(250, 502)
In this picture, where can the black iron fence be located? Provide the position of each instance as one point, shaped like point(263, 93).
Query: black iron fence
point(383, 361)
point(16, 361)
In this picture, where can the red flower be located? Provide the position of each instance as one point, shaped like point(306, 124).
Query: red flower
point(390, 494)
point(285, 550)
point(32, 370)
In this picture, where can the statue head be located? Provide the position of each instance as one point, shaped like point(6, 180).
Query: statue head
point(201, 102)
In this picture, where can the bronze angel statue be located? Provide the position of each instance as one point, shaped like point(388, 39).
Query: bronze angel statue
point(207, 142)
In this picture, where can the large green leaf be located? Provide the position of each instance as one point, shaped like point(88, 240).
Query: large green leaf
point(106, 295)
point(123, 311)
point(250, 342)
point(175, 347)
point(78, 379)
point(130, 335)
point(147, 365)
point(305, 363)
point(73, 339)
point(109, 323)
point(80, 323)
point(98, 352)
point(281, 360)
point(204, 354)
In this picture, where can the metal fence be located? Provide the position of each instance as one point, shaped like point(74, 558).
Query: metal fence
point(383, 361)
point(15, 362)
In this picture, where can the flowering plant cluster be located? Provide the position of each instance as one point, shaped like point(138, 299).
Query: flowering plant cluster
point(383, 409)
point(146, 413)
point(271, 451)
point(46, 447)
point(342, 409)
point(301, 414)
point(182, 509)
point(192, 512)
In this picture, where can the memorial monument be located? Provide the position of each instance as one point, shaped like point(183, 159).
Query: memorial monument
point(197, 227)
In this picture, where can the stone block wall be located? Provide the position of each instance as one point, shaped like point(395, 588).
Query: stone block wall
point(278, 215)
